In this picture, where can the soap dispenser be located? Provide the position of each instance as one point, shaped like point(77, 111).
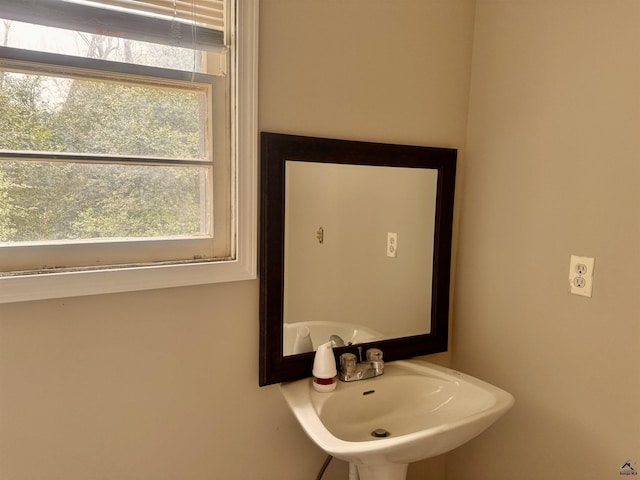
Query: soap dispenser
point(324, 369)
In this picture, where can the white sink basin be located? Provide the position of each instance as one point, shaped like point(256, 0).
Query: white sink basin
point(418, 409)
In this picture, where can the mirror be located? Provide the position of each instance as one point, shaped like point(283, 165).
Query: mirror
point(356, 242)
point(363, 236)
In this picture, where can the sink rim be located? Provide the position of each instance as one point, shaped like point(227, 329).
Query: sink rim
point(298, 395)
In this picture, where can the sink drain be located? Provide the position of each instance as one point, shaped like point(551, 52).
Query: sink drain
point(380, 433)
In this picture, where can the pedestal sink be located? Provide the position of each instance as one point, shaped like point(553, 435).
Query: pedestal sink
point(414, 411)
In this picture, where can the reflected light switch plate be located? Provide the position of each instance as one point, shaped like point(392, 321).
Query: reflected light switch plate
point(392, 244)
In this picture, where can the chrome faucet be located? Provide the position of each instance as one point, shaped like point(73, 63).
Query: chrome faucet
point(351, 370)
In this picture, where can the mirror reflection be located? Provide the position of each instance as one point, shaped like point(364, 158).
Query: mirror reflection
point(358, 253)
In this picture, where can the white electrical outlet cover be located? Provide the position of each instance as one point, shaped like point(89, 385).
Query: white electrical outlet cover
point(581, 275)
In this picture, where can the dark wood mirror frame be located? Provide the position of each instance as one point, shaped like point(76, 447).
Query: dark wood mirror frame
point(275, 150)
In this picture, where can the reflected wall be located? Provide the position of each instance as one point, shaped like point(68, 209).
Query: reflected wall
point(337, 265)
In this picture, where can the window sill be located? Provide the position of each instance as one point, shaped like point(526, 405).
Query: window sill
point(72, 284)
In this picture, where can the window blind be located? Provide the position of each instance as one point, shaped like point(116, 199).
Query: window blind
point(195, 24)
point(206, 13)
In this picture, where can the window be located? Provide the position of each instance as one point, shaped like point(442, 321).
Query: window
point(127, 145)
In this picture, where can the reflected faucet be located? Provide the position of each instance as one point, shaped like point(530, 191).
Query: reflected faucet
point(352, 371)
point(337, 341)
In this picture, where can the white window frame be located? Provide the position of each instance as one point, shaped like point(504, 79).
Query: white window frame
point(40, 286)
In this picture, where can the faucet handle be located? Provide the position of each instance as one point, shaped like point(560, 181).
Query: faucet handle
point(347, 363)
point(374, 355)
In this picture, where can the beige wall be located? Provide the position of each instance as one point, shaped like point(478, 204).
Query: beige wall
point(552, 169)
point(163, 384)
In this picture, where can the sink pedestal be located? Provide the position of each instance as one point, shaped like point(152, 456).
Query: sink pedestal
point(386, 471)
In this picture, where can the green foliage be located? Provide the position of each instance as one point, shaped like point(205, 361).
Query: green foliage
point(25, 123)
point(118, 119)
point(65, 200)
point(7, 230)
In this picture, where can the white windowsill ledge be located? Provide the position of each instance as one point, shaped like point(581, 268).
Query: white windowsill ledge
point(80, 283)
